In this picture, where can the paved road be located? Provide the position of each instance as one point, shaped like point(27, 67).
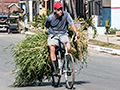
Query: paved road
point(102, 72)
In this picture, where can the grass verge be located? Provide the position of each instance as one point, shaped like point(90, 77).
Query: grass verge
point(103, 44)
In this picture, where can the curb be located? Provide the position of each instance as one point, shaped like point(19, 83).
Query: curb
point(23, 32)
point(103, 49)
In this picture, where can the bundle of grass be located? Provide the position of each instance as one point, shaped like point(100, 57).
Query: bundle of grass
point(32, 59)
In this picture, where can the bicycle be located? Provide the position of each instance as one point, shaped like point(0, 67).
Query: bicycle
point(65, 64)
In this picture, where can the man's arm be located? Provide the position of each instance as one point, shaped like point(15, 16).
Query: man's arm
point(46, 23)
point(75, 30)
point(71, 23)
point(46, 26)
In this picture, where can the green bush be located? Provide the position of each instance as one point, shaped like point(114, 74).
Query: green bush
point(112, 31)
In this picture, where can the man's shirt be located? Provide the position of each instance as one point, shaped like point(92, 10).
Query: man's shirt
point(58, 25)
point(25, 16)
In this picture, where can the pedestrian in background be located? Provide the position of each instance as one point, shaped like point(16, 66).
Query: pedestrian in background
point(25, 19)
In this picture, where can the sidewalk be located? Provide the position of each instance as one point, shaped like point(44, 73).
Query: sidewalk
point(112, 39)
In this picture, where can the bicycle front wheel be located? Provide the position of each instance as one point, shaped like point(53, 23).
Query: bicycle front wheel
point(69, 71)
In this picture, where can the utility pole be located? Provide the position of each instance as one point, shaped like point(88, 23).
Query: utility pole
point(46, 4)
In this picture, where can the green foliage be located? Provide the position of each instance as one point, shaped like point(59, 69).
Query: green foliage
point(86, 24)
point(32, 60)
point(48, 12)
point(107, 26)
point(40, 19)
point(79, 48)
point(112, 31)
point(35, 24)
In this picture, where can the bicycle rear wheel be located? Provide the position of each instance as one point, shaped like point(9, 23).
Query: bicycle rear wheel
point(69, 71)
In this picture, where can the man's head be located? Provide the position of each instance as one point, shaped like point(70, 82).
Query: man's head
point(58, 8)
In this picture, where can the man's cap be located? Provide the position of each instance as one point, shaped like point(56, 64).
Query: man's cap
point(57, 5)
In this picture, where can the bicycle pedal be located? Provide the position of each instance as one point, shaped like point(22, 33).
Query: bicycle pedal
point(64, 71)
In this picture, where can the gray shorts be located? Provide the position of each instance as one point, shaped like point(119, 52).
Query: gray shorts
point(63, 37)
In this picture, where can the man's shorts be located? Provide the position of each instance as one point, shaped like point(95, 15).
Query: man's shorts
point(63, 37)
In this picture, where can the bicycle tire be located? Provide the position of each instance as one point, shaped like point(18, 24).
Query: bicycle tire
point(56, 80)
point(69, 71)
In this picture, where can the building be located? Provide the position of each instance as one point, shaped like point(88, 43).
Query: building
point(31, 7)
point(100, 9)
point(79, 5)
point(103, 10)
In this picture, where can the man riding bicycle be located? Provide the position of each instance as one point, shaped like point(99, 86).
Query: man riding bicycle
point(58, 23)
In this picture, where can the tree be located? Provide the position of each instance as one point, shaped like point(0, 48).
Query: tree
point(74, 9)
point(70, 5)
point(107, 27)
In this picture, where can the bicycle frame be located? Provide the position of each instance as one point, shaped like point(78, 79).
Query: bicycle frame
point(59, 52)
point(67, 67)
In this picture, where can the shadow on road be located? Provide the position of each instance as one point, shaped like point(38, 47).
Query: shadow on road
point(63, 83)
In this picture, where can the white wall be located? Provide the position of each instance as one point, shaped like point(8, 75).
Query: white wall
point(30, 11)
point(115, 14)
point(115, 3)
point(106, 3)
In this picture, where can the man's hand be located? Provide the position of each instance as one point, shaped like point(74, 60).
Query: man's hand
point(75, 30)
point(78, 35)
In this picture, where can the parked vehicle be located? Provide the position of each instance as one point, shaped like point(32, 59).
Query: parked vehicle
point(5, 11)
point(13, 19)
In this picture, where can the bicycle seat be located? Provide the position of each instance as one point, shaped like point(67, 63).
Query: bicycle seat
point(57, 48)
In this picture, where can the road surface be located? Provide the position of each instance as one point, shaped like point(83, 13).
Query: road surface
point(102, 71)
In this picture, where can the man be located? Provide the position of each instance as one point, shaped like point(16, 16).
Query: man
point(25, 19)
point(57, 23)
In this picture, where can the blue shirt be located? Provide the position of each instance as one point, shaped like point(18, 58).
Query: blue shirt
point(58, 25)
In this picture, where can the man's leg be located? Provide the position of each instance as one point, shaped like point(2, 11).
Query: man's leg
point(52, 52)
point(68, 47)
point(26, 25)
point(26, 29)
point(53, 59)
point(64, 39)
